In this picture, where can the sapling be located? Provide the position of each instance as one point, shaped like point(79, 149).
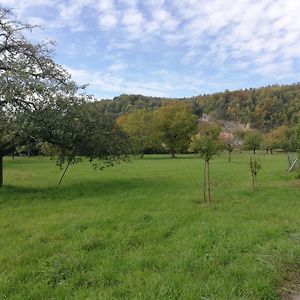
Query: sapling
point(207, 144)
point(255, 166)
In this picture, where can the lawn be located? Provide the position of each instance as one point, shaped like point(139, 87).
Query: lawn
point(140, 230)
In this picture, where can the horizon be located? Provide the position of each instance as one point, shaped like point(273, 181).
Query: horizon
point(204, 94)
point(170, 49)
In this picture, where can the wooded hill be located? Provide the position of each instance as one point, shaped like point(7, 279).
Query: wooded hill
point(262, 108)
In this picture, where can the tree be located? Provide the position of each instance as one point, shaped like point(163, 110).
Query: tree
point(139, 126)
point(252, 140)
point(27, 71)
point(269, 143)
point(28, 76)
point(174, 125)
point(255, 166)
point(228, 139)
point(78, 131)
point(7, 133)
point(207, 143)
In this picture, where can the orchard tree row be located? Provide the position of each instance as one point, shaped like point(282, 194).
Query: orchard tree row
point(172, 127)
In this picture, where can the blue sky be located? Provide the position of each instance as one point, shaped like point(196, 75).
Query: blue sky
point(170, 48)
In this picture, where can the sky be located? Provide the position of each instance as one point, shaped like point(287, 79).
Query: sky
point(172, 48)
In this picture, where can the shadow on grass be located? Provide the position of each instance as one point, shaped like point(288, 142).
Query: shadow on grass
point(85, 189)
point(168, 157)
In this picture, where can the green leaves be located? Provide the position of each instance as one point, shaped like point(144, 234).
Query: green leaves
point(28, 74)
point(175, 124)
point(79, 130)
point(252, 140)
point(207, 142)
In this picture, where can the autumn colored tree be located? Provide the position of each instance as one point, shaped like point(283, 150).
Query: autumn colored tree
point(269, 142)
point(207, 143)
point(174, 125)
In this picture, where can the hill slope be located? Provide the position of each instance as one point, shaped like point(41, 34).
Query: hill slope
point(264, 108)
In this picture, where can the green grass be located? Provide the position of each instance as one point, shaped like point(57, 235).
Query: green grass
point(140, 231)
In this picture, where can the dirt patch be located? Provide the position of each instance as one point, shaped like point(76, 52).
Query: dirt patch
point(289, 287)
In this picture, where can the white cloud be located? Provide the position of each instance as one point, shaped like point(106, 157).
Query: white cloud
point(161, 84)
point(260, 37)
point(108, 21)
point(117, 66)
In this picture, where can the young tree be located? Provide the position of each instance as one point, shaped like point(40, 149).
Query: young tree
point(252, 140)
point(174, 125)
point(139, 126)
point(228, 139)
point(207, 143)
point(255, 166)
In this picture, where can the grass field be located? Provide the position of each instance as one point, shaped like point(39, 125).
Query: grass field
point(140, 231)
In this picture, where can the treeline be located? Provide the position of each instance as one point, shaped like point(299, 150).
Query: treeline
point(172, 127)
point(263, 108)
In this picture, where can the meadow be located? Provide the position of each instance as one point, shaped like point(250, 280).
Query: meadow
point(141, 231)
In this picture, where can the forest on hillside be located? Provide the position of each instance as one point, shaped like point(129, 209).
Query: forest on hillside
point(263, 108)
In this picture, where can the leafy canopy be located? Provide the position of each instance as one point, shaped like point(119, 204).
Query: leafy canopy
point(207, 142)
point(27, 72)
point(174, 126)
point(79, 130)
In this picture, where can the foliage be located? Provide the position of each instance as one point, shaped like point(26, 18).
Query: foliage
point(264, 108)
point(270, 142)
point(139, 126)
point(7, 132)
point(79, 130)
point(174, 125)
point(229, 142)
point(28, 78)
point(27, 72)
point(252, 140)
point(207, 143)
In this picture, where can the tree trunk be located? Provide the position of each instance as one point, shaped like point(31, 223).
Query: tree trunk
point(63, 174)
point(1, 169)
point(255, 177)
point(271, 151)
point(173, 153)
point(229, 156)
point(254, 150)
point(208, 183)
point(142, 155)
point(204, 182)
point(253, 181)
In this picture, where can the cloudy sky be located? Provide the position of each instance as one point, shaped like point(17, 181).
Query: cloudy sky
point(170, 47)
